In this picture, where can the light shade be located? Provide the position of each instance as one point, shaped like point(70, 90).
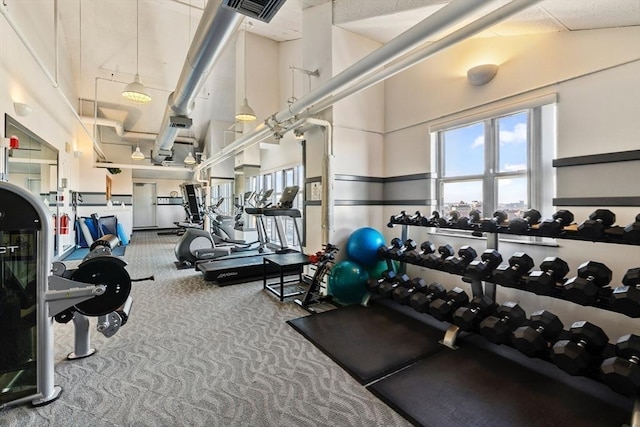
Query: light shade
point(136, 92)
point(245, 113)
point(189, 160)
point(482, 74)
point(22, 109)
point(137, 155)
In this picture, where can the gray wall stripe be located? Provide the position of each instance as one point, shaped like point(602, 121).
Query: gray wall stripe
point(620, 156)
point(597, 201)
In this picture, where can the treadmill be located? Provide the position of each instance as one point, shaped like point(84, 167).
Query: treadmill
point(228, 270)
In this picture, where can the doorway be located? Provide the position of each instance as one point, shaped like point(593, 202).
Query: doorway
point(144, 205)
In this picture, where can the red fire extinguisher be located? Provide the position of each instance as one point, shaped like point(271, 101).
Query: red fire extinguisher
point(64, 224)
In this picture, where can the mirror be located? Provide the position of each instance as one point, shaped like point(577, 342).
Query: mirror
point(33, 165)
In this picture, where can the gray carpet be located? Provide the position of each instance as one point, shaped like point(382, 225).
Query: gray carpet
point(195, 354)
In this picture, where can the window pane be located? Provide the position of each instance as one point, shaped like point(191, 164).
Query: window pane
point(513, 196)
point(462, 197)
point(512, 138)
point(288, 177)
point(464, 150)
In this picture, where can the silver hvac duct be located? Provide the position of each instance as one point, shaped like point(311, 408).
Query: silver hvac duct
point(215, 30)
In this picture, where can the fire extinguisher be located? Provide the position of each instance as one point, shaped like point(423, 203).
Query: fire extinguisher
point(64, 224)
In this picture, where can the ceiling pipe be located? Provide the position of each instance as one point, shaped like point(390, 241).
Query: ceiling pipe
point(262, 131)
point(215, 31)
point(122, 133)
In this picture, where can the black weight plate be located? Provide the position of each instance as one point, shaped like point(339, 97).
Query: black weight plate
point(103, 271)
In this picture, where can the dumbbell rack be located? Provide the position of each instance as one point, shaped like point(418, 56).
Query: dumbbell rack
point(490, 289)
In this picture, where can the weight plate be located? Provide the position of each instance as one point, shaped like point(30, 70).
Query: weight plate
point(103, 271)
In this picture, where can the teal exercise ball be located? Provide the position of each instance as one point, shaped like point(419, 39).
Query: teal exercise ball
point(363, 244)
point(376, 270)
point(348, 282)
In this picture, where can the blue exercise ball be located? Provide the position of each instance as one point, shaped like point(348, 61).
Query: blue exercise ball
point(348, 282)
point(363, 244)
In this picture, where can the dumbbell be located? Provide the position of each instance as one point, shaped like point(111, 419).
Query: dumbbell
point(436, 260)
point(583, 289)
point(622, 372)
point(626, 299)
point(577, 354)
point(482, 269)
point(408, 246)
point(454, 264)
point(452, 218)
point(387, 276)
point(384, 251)
point(414, 219)
point(402, 294)
point(400, 218)
point(536, 338)
point(468, 318)
point(386, 288)
point(435, 220)
point(631, 233)
point(420, 301)
point(553, 227)
point(521, 225)
point(598, 221)
point(491, 225)
point(443, 308)
point(508, 275)
point(426, 248)
point(465, 223)
point(543, 281)
point(497, 328)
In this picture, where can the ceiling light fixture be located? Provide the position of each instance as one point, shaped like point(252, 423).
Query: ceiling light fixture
point(190, 160)
point(135, 91)
point(245, 113)
point(482, 74)
point(137, 155)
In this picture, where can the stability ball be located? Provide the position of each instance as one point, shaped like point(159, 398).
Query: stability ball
point(376, 270)
point(347, 282)
point(363, 244)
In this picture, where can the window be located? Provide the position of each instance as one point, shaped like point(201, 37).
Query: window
point(488, 165)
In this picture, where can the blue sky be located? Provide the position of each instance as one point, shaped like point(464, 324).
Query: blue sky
point(464, 155)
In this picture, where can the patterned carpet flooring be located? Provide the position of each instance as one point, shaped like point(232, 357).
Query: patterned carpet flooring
point(195, 354)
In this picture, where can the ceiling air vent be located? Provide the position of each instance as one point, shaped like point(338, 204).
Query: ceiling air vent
point(180, 122)
point(263, 10)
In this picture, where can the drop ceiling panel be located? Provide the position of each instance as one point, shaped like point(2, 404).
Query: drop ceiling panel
point(590, 14)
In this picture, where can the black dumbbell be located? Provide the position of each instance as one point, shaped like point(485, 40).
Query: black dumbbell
point(626, 299)
point(576, 355)
point(454, 264)
point(426, 248)
point(491, 225)
point(631, 233)
point(401, 294)
point(553, 227)
point(435, 220)
point(408, 246)
point(443, 308)
point(598, 221)
point(452, 218)
point(481, 270)
point(622, 372)
point(373, 283)
point(509, 275)
point(384, 251)
point(543, 281)
point(436, 260)
point(497, 328)
point(420, 301)
point(400, 218)
point(521, 225)
point(466, 223)
point(386, 288)
point(414, 219)
point(536, 339)
point(583, 289)
point(468, 318)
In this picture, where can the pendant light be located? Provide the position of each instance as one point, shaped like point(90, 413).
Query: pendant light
point(245, 113)
point(190, 160)
point(137, 155)
point(135, 91)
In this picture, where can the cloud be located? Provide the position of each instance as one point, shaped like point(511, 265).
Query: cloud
point(515, 168)
point(478, 142)
point(517, 136)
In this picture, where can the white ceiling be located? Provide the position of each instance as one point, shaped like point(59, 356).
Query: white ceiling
point(104, 46)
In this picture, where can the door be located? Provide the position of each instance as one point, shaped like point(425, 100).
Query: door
point(144, 205)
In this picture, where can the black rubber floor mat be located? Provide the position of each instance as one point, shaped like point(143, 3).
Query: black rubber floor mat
point(369, 342)
point(475, 387)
